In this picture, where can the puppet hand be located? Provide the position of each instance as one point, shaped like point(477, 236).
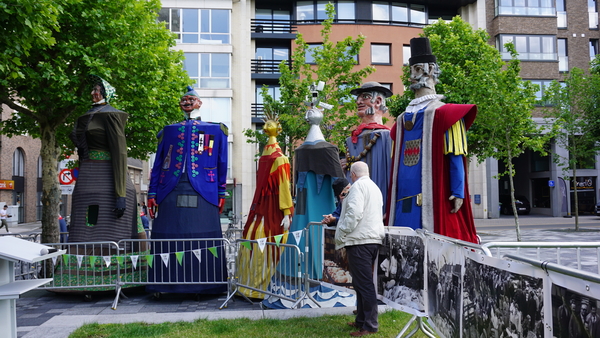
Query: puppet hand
point(285, 223)
point(221, 205)
point(151, 207)
point(458, 202)
point(120, 207)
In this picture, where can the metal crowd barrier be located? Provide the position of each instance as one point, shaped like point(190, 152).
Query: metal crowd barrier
point(583, 256)
point(274, 270)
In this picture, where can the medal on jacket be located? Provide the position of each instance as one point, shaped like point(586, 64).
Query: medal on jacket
point(408, 125)
point(200, 142)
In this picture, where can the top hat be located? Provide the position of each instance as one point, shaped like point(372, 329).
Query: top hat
point(372, 86)
point(420, 51)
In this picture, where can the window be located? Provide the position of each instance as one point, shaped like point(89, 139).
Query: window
point(529, 47)
point(561, 14)
point(272, 21)
point(405, 54)
point(386, 12)
point(208, 70)
point(543, 84)
point(274, 91)
point(216, 109)
point(525, 7)
point(309, 58)
point(311, 11)
point(18, 163)
point(563, 55)
point(593, 48)
point(192, 25)
point(593, 14)
point(540, 162)
point(380, 54)
point(272, 53)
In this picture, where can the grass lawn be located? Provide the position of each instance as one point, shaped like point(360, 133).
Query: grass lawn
point(390, 324)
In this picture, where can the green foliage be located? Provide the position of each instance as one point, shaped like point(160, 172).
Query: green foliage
point(335, 63)
point(46, 82)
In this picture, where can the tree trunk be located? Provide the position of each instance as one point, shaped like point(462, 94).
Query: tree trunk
point(51, 192)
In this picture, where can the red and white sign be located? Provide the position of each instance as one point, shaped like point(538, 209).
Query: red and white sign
point(66, 176)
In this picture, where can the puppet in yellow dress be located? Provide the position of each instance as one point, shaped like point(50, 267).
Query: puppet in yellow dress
point(270, 215)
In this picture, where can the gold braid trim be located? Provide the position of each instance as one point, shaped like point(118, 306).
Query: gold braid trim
point(353, 159)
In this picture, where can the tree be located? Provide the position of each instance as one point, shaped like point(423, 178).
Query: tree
point(119, 40)
point(334, 65)
point(573, 111)
point(472, 71)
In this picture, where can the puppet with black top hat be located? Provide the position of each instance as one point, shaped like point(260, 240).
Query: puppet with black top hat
point(429, 187)
point(188, 184)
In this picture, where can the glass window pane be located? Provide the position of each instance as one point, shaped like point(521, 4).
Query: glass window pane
point(175, 20)
point(281, 15)
point(220, 21)
point(548, 44)
point(381, 11)
point(205, 21)
point(345, 10)
point(190, 38)
point(399, 12)
point(380, 53)
point(220, 65)
point(280, 54)
point(263, 14)
point(309, 51)
point(321, 12)
point(560, 5)
point(534, 3)
point(190, 64)
point(405, 54)
point(535, 44)
point(264, 53)
point(521, 44)
point(417, 14)
point(562, 47)
point(163, 16)
point(205, 65)
point(190, 20)
point(305, 10)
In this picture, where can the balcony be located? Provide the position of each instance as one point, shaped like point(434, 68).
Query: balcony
point(266, 69)
point(257, 113)
point(273, 29)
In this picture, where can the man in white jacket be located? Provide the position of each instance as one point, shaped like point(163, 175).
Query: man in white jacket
point(360, 231)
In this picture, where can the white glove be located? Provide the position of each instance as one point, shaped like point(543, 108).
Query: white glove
point(285, 223)
point(458, 202)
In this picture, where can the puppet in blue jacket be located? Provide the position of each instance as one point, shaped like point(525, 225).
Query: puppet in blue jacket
point(188, 183)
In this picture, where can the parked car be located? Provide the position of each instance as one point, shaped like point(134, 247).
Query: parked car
point(597, 209)
point(521, 202)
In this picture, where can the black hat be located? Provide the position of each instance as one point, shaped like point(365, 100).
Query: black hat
point(339, 185)
point(372, 86)
point(420, 51)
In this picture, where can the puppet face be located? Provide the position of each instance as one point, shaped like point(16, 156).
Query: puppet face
point(97, 94)
point(314, 116)
point(366, 104)
point(189, 103)
point(422, 76)
point(272, 128)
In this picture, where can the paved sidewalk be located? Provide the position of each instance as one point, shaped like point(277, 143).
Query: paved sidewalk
point(47, 314)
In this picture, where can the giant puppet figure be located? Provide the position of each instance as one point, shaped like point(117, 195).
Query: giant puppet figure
point(104, 198)
point(270, 214)
point(429, 176)
point(317, 166)
point(370, 142)
point(188, 183)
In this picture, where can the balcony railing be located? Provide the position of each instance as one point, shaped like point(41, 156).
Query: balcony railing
point(257, 112)
point(272, 26)
point(261, 66)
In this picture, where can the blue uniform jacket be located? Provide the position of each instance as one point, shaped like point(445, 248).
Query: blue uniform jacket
point(194, 147)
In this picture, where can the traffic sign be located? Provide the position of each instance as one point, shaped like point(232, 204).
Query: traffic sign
point(65, 176)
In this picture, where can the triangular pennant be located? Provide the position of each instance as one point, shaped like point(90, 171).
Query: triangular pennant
point(106, 260)
point(79, 260)
point(248, 245)
point(179, 256)
point(165, 258)
point(54, 260)
point(150, 260)
point(92, 260)
point(213, 250)
point(261, 243)
point(297, 236)
point(278, 239)
point(197, 254)
point(134, 260)
point(66, 259)
point(120, 260)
